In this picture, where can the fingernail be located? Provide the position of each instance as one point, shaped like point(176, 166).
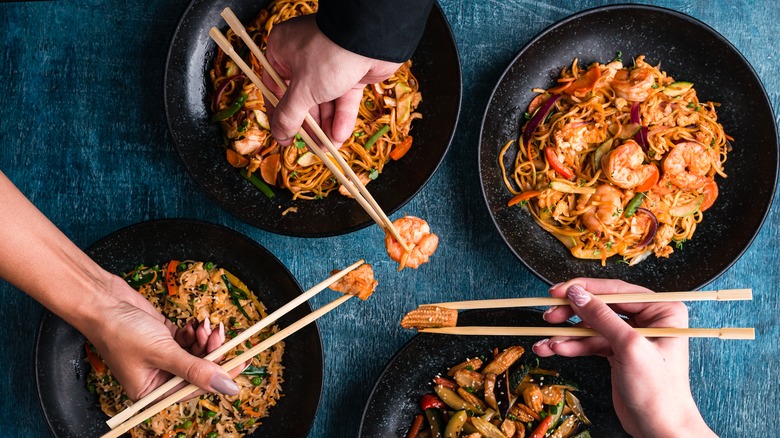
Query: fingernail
point(542, 342)
point(222, 331)
point(578, 295)
point(207, 326)
point(224, 384)
point(555, 344)
point(550, 310)
point(556, 286)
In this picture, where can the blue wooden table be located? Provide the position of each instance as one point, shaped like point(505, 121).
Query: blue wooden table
point(83, 135)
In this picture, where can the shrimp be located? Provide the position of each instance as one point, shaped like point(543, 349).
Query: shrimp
point(577, 134)
point(687, 165)
point(418, 237)
point(623, 166)
point(635, 84)
point(603, 208)
point(360, 282)
point(251, 143)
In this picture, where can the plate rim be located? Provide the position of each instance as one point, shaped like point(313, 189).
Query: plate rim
point(336, 232)
point(609, 8)
point(51, 316)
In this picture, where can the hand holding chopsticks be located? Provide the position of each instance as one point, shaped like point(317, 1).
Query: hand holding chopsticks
point(620, 298)
point(340, 169)
point(130, 417)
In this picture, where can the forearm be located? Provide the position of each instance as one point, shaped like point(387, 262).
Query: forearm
point(41, 261)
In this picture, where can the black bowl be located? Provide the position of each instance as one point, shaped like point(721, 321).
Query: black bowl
point(72, 411)
point(688, 50)
point(198, 142)
point(394, 401)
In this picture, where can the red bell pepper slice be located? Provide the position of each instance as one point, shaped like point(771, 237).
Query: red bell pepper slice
point(541, 429)
point(95, 360)
point(552, 158)
point(428, 401)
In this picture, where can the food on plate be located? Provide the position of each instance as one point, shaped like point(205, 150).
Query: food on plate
point(381, 132)
point(505, 398)
point(359, 282)
point(618, 160)
point(418, 237)
point(193, 289)
point(430, 317)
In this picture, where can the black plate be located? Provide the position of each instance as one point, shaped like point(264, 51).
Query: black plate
point(688, 50)
point(394, 401)
point(72, 411)
point(198, 142)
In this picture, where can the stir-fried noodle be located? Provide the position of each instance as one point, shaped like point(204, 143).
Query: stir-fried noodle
point(617, 160)
point(380, 134)
point(200, 290)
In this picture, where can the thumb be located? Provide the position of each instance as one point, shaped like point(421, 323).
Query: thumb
point(289, 114)
point(600, 317)
point(205, 374)
point(346, 113)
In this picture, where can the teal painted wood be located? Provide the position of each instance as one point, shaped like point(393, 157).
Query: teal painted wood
point(83, 134)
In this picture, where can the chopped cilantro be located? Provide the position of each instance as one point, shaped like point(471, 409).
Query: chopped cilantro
point(619, 56)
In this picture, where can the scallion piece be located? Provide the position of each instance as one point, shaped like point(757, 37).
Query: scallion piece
point(258, 183)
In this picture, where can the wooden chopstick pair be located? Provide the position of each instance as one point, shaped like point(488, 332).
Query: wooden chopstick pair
point(130, 417)
point(341, 170)
point(719, 295)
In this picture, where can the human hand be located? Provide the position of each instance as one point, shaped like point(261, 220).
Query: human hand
point(650, 382)
point(323, 78)
point(142, 348)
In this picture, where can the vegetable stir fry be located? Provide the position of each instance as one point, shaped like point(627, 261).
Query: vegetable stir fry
point(504, 397)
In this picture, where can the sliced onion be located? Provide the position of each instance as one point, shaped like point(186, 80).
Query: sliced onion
point(641, 136)
point(223, 87)
point(653, 227)
point(540, 115)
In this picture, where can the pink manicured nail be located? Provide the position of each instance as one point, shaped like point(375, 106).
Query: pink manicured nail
point(542, 342)
point(207, 326)
point(222, 332)
point(578, 295)
point(555, 286)
point(224, 384)
point(554, 344)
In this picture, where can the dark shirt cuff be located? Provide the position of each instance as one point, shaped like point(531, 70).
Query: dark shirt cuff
point(388, 30)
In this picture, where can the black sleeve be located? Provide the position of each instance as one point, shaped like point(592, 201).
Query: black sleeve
point(381, 29)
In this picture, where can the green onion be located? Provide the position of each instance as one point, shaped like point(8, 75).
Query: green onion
point(250, 422)
point(257, 182)
point(373, 174)
point(203, 287)
point(209, 266)
point(257, 381)
point(187, 424)
point(237, 403)
point(212, 435)
point(231, 110)
point(248, 344)
point(147, 421)
point(182, 267)
point(210, 414)
point(371, 140)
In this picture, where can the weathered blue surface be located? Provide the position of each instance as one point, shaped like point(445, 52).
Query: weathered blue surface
point(82, 133)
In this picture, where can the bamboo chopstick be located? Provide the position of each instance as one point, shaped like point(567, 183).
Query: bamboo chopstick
point(722, 333)
point(227, 346)
point(227, 366)
point(384, 222)
point(717, 295)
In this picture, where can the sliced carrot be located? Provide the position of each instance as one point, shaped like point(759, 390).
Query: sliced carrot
point(235, 159)
point(650, 181)
point(414, 430)
point(94, 360)
point(269, 168)
point(447, 383)
point(542, 428)
point(584, 83)
point(170, 277)
point(710, 194)
point(401, 150)
point(536, 103)
point(523, 197)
